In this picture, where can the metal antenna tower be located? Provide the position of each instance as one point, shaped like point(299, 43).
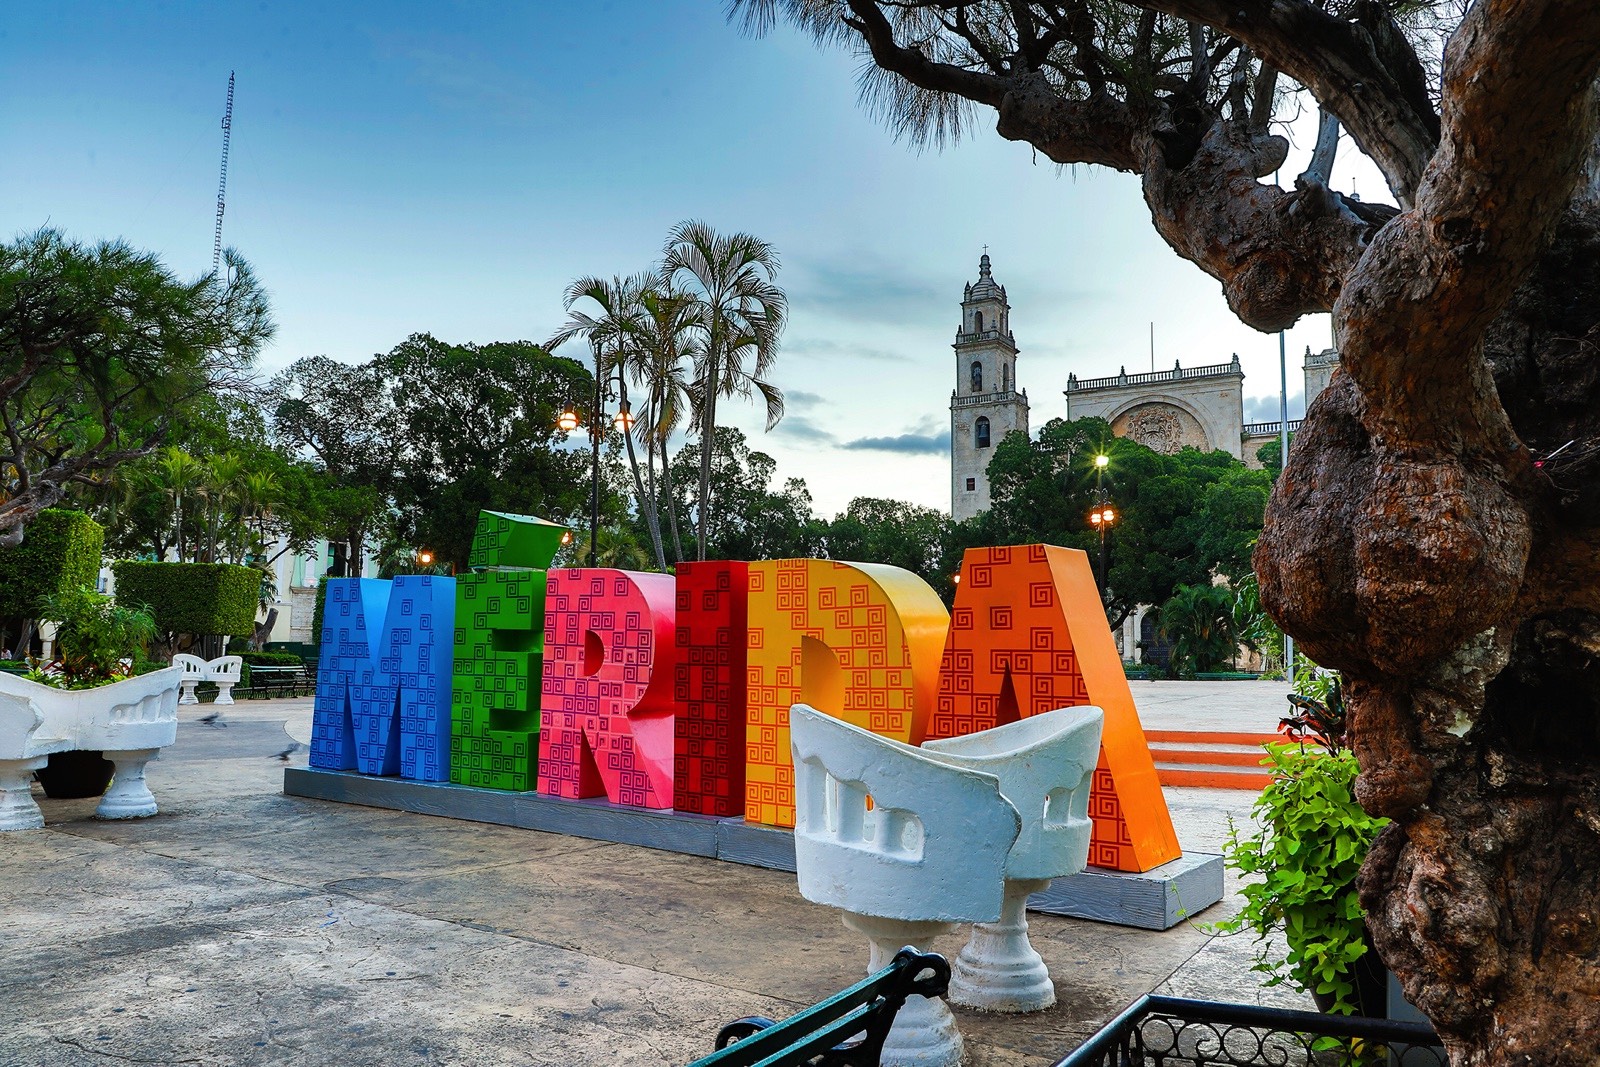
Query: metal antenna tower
point(222, 182)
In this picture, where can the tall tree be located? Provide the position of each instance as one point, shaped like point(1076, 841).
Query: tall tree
point(738, 314)
point(481, 435)
point(616, 336)
point(661, 358)
point(339, 413)
point(1435, 534)
point(101, 348)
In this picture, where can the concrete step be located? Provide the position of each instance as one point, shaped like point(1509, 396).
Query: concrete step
point(1210, 759)
point(1212, 777)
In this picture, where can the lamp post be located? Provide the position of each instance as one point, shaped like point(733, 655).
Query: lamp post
point(568, 421)
point(1103, 516)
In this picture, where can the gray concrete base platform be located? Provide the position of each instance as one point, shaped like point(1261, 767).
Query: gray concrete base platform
point(1155, 900)
point(244, 927)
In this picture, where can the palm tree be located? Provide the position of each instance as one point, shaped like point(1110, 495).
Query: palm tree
point(177, 474)
point(738, 314)
point(1198, 620)
point(613, 335)
point(659, 366)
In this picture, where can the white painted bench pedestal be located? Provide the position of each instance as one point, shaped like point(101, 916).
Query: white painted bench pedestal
point(924, 1033)
point(18, 809)
point(128, 796)
point(998, 969)
point(1045, 764)
point(906, 844)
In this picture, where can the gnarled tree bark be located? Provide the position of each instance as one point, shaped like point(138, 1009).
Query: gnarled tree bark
point(1436, 532)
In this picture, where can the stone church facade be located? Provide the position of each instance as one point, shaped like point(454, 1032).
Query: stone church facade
point(1199, 407)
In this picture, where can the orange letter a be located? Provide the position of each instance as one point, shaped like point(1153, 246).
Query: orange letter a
point(1028, 635)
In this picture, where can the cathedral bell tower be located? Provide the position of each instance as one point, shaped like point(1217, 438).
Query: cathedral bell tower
point(985, 404)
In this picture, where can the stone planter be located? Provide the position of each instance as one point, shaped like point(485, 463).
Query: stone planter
point(128, 722)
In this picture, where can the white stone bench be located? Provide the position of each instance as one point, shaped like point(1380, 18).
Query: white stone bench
point(906, 845)
point(128, 722)
point(224, 670)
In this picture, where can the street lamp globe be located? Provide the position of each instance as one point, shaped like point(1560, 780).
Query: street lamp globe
point(1102, 461)
point(567, 420)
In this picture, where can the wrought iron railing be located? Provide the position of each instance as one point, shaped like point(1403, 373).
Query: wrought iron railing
point(1169, 1032)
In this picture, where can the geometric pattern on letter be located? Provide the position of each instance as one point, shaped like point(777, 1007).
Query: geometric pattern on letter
point(499, 652)
point(709, 735)
point(607, 720)
point(860, 641)
point(494, 696)
point(385, 655)
point(1028, 635)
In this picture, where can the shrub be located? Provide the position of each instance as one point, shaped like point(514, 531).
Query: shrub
point(1300, 865)
point(98, 639)
point(272, 659)
point(61, 552)
point(192, 598)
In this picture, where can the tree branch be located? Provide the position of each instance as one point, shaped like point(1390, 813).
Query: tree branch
point(1340, 63)
point(1518, 121)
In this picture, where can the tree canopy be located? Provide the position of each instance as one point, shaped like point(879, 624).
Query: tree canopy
point(101, 348)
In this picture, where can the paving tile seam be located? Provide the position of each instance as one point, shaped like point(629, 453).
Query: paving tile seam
point(150, 848)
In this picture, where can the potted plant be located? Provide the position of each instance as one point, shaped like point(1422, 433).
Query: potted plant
point(70, 716)
point(1300, 863)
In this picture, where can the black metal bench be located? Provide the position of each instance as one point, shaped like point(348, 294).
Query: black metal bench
point(846, 1030)
point(281, 680)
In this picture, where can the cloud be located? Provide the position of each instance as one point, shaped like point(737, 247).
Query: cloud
point(799, 399)
point(801, 427)
point(461, 80)
point(872, 288)
point(1266, 408)
point(907, 443)
point(828, 348)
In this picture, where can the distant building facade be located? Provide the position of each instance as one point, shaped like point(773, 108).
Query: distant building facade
point(986, 403)
point(1185, 407)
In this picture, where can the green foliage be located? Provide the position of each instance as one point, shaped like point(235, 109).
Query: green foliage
point(102, 350)
point(751, 520)
point(97, 638)
point(192, 598)
point(1198, 621)
point(316, 614)
point(1300, 868)
point(1180, 518)
point(272, 659)
point(473, 428)
point(1270, 456)
point(1254, 627)
point(61, 552)
point(873, 530)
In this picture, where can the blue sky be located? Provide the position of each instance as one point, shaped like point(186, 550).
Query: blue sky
point(449, 168)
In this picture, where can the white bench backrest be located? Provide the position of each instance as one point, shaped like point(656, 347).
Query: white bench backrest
point(1045, 764)
point(932, 845)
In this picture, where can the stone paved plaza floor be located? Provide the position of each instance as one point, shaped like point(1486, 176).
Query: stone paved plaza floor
point(240, 926)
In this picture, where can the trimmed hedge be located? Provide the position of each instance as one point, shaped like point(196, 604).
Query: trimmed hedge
point(272, 659)
point(61, 550)
point(192, 598)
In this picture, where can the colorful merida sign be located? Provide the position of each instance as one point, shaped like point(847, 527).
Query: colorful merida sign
point(658, 691)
